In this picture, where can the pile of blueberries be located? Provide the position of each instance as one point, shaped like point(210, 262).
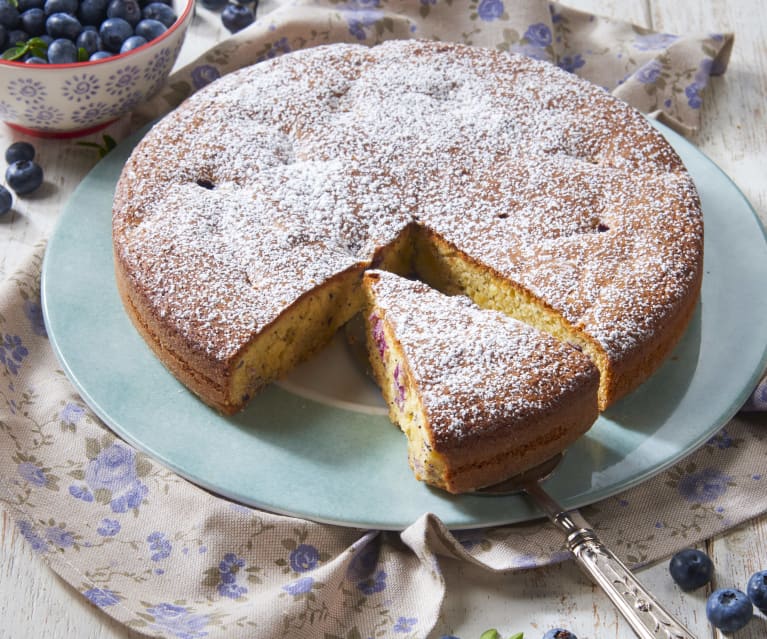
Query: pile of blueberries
point(23, 174)
point(67, 31)
point(728, 609)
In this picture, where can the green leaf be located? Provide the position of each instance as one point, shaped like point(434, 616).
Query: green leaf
point(82, 55)
point(14, 53)
point(490, 634)
point(519, 635)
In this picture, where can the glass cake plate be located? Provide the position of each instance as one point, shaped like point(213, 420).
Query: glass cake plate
point(319, 444)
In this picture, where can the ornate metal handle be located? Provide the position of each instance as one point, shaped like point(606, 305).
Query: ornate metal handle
point(642, 611)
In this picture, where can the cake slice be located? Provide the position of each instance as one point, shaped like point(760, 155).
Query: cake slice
point(479, 395)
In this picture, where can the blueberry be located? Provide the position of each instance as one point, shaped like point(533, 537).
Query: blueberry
point(61, 6)
point(33, 21)
point(24, 176)
point(235, 17)
point(134, 42)
point(113, 32)
point(159, 11)
point(757, 590)
point(3, 37)
point(63, 25)
point(25, 5)
point(17, 36)
point(729, 609)
point(128, 10)
point(62, 51)
point(9, 15)
point(6, 200)
point(19, 151)
point(100, 55)
point(89, 40)
point(214, 5)
point(150, 29)
point(559, 633)
point(35, 60)
point(691, 569)
point(93, 12)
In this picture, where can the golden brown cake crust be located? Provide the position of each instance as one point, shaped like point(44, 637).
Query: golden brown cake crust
point(299, 173)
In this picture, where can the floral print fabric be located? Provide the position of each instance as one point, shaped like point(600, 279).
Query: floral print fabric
point(661, 74)
point(171, 560)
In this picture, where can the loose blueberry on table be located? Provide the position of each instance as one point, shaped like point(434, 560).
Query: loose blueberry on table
point(691, 568)
point(24, 176)
point(69, 31)
point(559, 633)
point(19, 151)
point(729, 609)
point(235, 17)
point(757, 590)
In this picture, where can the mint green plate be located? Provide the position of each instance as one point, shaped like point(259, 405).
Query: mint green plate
point(319, 444)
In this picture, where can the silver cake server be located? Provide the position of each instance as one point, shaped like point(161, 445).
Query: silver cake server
point(644, 614)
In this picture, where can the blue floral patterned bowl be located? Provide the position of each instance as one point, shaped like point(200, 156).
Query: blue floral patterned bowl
point(70, 100)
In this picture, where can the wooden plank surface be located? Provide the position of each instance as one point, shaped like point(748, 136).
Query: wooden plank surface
point(36, 603)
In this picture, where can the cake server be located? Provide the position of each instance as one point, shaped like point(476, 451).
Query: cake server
point(643, 612)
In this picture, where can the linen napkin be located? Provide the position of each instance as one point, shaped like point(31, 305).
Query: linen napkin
point(171, 560)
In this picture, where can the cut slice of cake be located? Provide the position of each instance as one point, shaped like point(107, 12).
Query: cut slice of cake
point(479, 395)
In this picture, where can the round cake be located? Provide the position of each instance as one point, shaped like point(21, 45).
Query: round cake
point(245, 220)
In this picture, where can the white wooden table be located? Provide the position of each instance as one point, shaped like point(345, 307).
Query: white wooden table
point(34, 602)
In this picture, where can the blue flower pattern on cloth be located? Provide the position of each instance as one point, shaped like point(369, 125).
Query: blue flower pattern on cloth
point(32, 473)
point(159, 546)
point(489, 10)
point(179, 621)
point(704, 486)
point(650, 72)
point(59, 536)
point(71, 413)
point(654, 41)
point(34, 312)
point(539, 35)
point(204, 75)
point(12, 353)
point(37, 543)
point(101, 597)
point(405, 624)
point(229, 567)
point(109, 527)
point(304, 558)
point(81, 492)
point(375, 583)
point(113, 470)
point(299, 586)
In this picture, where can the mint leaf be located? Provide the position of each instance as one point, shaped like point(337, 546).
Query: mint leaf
point(82, 55)
point(14, 53)
point(519, 635)
point(103, 149)
point(490, 634)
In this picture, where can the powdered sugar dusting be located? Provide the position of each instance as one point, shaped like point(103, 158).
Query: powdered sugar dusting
point(275, 178)
point(476, 370)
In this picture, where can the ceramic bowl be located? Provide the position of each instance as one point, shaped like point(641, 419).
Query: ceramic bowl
point(70, 100)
